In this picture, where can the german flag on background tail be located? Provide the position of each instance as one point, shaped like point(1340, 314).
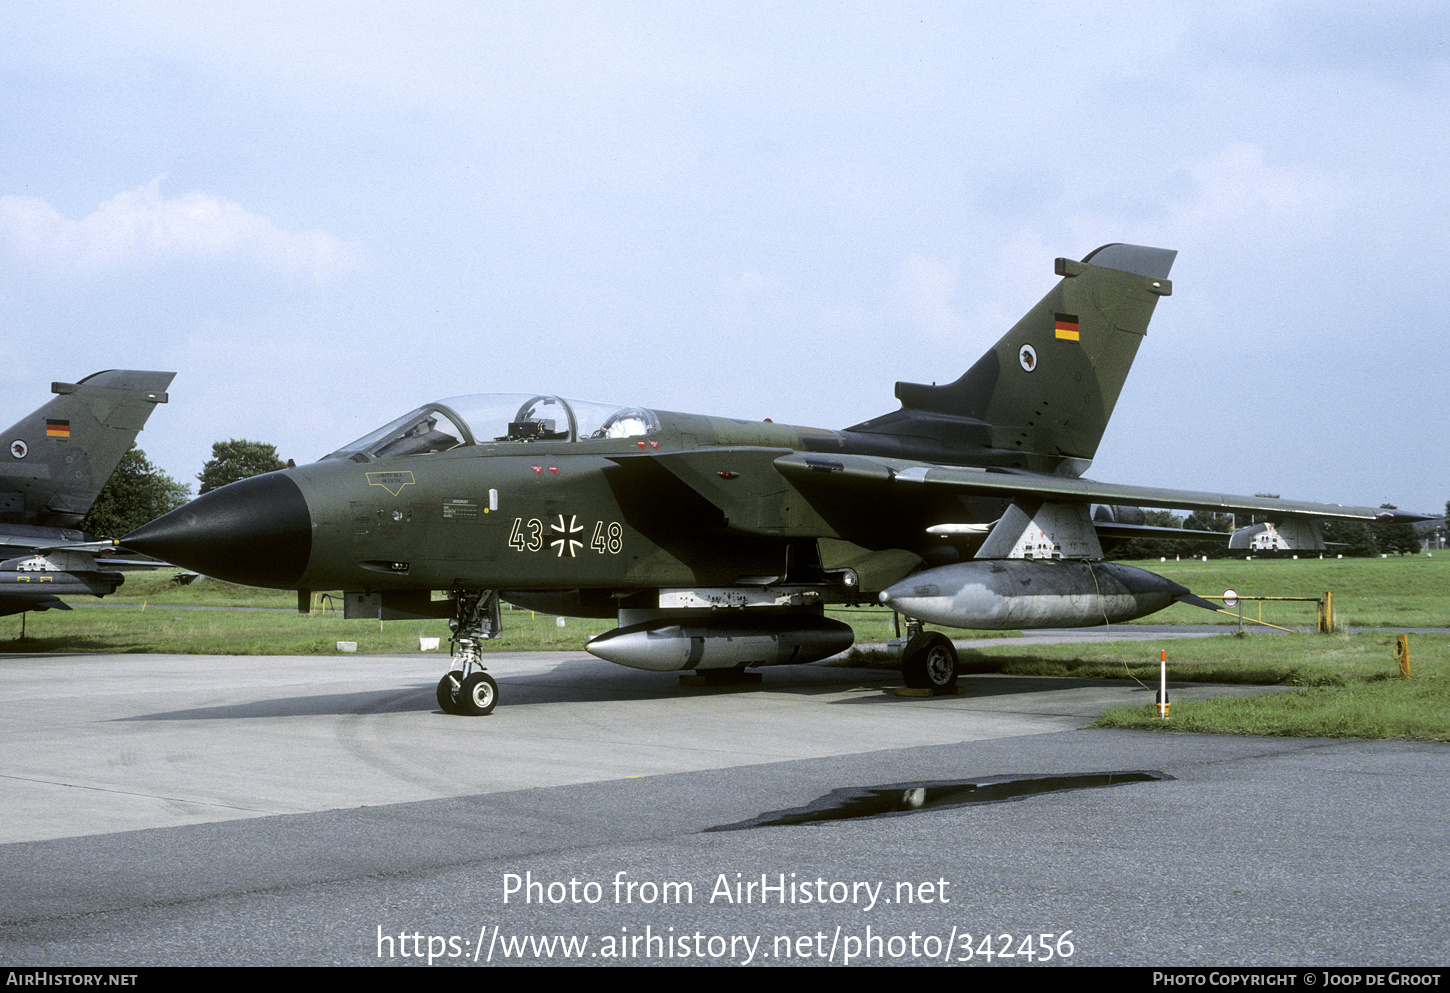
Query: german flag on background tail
point(1066, 326)
point(57, 429)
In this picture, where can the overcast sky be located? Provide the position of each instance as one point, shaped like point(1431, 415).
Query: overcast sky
point(322, 215)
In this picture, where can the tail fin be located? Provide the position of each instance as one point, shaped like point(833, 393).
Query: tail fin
point(1041, 398)
point(56, 460)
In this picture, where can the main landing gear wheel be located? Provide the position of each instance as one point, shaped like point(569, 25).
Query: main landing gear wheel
point(448, 688)
point(478, 695)
point(929, 662)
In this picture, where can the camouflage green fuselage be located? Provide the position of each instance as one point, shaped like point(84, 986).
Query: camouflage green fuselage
point(696, 503)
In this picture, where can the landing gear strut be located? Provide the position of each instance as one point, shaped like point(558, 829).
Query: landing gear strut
point(468, 689)
point(929, 661)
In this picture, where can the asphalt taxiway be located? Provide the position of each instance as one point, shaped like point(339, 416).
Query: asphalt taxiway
point(276, 810)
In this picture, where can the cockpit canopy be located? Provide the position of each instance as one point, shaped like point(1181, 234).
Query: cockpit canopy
point(498, 418)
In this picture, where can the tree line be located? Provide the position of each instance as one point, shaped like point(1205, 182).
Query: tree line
point(1352, 539)
point(138, 492)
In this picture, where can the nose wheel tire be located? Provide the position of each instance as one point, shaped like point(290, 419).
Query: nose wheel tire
point(929, 662)
point(448, 688)
point(478, 695)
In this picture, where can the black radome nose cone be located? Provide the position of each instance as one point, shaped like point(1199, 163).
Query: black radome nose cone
point(256, 532)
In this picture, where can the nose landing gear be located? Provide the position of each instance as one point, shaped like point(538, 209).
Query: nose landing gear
point(468, 690)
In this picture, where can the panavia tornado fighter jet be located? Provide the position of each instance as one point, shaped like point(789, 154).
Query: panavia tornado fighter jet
point(717, 543)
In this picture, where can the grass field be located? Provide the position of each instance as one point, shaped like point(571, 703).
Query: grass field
point(1351, 686)
point(150, 614)
point(1400, 592)
point(1349, 683)
point(1409, 591)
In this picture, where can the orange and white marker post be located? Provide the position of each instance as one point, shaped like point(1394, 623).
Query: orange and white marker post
point(1163, 683)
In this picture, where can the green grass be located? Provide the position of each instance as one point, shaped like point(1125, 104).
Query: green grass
point(248, 621)
point(205, 632)
point(151, 615)
point(1413, 591)
point(1416, 709)
point(1261, 659)
point(1348, 685)
point(1408, 591)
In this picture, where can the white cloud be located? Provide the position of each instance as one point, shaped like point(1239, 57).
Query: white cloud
point(142, 226)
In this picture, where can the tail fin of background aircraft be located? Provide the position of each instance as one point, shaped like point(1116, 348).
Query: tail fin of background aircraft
point(55, 460)
point(1041, 398)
